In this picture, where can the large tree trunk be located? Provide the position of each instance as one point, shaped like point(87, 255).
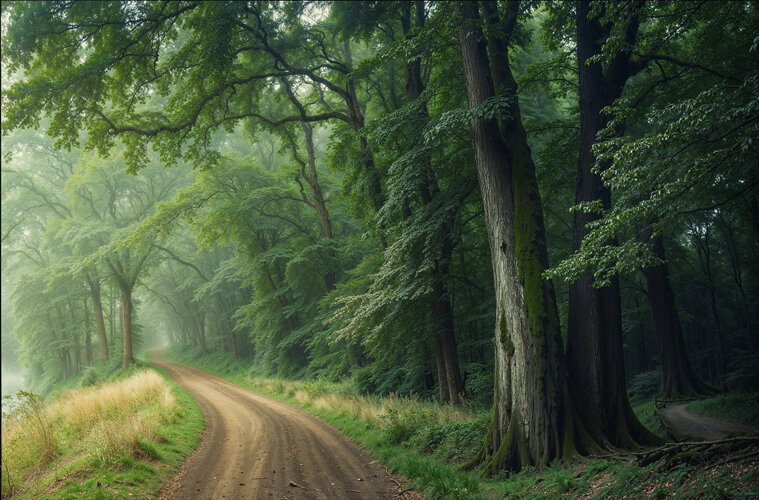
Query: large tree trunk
point(594, 334)
point(450, 382)
point(126, 323)
point(97, 309)
point(677, 377)
point(533, 420)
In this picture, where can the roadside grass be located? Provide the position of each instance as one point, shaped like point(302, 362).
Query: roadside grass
point(736, 407)
point(429, 444)
point(106, 440)
point(644, 410)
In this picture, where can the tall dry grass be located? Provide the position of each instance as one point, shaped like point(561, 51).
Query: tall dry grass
point(92, 425)
point(379, 412)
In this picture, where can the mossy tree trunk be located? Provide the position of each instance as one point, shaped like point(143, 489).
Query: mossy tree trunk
point(594, 331)
point(533, 418)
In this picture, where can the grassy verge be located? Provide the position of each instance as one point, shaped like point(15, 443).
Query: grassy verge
point(644, 410)
point(737, 407)
point(428, 443)
point(108, 440)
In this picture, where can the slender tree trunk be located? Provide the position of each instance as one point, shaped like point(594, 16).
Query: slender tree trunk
point(202, 332)
point(97, 309)
point(737, 271)
point(594, 333)
point(313, 180)
point(356, 118)
point(75, 337)
point(753, 205)
point(449, 375)
point(678, 378)
point(126, 323)
point(111, 316)
point(442, 377)
point(533, 420)
point(87, 339)
point(69, 365)
point(230, 330)
point(704, 252)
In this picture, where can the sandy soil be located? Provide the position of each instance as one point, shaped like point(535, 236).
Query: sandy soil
point(258, 447)
point(685, 424)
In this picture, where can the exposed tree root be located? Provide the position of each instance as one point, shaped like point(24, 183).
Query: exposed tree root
point(688, 451)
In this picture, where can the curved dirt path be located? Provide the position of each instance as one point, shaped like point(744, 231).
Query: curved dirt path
point(257, 447)
point(684, 423)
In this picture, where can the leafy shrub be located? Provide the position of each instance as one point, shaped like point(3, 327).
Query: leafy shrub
point(89, 378)
point(455, 441)
point(479, 384)
point(364, 381)
point(399, 425)
point(645, 384)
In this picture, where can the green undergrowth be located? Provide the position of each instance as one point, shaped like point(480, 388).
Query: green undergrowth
point(102, 439)
point(428, 443)
point(644, 410)
point(737, 407)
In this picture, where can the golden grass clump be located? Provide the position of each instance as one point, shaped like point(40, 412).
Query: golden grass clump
point(116, 400)
point(105, 423)
point(374, 410)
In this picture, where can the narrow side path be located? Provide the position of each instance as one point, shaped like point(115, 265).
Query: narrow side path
point(258, 447)
point(685, 424)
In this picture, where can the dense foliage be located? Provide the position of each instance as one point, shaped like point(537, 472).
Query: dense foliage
point(297, 183)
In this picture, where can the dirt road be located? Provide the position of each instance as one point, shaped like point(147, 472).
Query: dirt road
point(686, 424)
point(256, 447)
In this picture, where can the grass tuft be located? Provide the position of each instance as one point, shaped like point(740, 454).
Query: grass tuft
point(95, 440)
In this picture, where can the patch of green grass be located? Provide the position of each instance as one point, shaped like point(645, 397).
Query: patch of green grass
point(644, 410)
point(86, 464)
point(737, 407)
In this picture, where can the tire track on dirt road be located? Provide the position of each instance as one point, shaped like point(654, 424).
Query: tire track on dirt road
point(258, 447)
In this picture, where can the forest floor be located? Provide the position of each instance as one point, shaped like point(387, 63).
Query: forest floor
point(685, 424)
point(255, 446)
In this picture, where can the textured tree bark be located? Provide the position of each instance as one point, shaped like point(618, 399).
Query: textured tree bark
point(533, 419)
point(594, 333)
point(677, 376)
point(97, 309)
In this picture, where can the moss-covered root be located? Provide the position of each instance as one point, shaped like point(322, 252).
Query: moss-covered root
point(512, 454)
point(636, 435)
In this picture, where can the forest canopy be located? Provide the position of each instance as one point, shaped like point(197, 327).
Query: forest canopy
point(540, 206)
